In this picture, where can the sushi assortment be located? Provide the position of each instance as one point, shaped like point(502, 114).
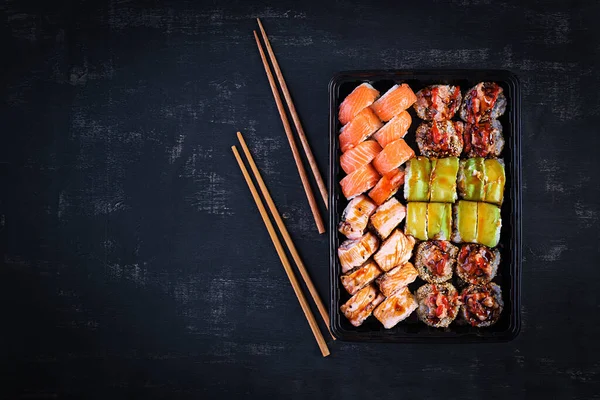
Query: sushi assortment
point(452, 218)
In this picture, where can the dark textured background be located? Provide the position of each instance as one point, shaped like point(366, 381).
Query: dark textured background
point(134, 262)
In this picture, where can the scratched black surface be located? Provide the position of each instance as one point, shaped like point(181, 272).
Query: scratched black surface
point(134, 263)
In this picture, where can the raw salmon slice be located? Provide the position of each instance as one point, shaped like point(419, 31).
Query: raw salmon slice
point(354, 252)
point(387, 186)
point(394, 101)
point(359, 129)
point(395, 129)
point(359, 181)
point(361, 155)
point(361, 97)
point(392, 156)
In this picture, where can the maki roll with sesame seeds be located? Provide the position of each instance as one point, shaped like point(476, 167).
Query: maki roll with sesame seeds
point(482, 305)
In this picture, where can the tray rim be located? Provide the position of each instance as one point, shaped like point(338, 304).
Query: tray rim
point(516, 199)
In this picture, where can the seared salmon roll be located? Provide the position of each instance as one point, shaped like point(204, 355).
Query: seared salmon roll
point(435, 260)
point(356, 217)
point(477, 264)
point(395, 308)
point(353, 253)
point(361, 305)
point(438, 102)
point(483, 139)
point(387, 217)
point(482, 304)
point(360, 277)
point(483, 102)
point(438, 304)
point(396, 250)
point(440, 138)
point(396, 279)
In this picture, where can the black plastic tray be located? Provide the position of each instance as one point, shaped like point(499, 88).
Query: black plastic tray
point(412, 330)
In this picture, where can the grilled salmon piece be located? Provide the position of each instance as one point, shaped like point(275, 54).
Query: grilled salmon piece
point(356, 217)
point(363, 96)
point(355, 252)
point(360, 277)
point(359, 181)
point(397, 278)
point(394, 101)
point(359, 129)
point(387, 217)
point(395, 129)
point(359, 156)
point(396, 250)
point(392, 156)
point(395, 308)
point(361, 305)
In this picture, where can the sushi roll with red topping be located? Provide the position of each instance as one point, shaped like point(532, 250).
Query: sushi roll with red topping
point(483, 102)
point(435, 260)
point(482, 304)
point(483, 139)
point(477, 264)
point(438, 102)
point(440, 138)
point(438, 304)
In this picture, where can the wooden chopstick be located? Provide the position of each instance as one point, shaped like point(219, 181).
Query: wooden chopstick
point(284, 232)
point(288, 131)
point(290, 103)
point(284, 260)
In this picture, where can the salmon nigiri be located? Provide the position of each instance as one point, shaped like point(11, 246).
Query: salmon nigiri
point(394, 101)
point(395, 129)
point(361, 155)
point(359, 129)
point(363, 96)
point(394, 155)
point(387, 186)
point(359, 181)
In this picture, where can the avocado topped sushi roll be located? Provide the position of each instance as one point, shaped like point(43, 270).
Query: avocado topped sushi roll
point(465, 222)
point(477, 264)
point(416, 181)
point(495, 178)
point(489, 223)
point(442, 184)
point(482, 180)
point(416, 220)
point(482, 102)
point(471, 179)
point(482, 304)
point(439, 221)
point(435, 259)
point(438, 304)
point(438, 102)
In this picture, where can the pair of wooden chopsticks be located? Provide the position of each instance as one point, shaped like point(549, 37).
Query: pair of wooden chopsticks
point(290, 244)
point(288, 130)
